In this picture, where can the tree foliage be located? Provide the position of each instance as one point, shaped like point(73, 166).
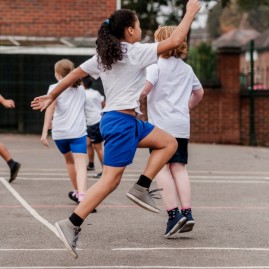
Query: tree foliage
point(228, 14)
point(150, 12)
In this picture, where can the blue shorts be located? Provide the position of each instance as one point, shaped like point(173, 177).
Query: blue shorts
point(75, 145)
point(122, 133)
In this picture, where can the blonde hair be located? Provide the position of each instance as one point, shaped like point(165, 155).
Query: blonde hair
point(164, 32)
point(64, 67)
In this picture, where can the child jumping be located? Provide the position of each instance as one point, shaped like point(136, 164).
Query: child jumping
point(121, 63)
point(14, 166)
point(67, 116)
point(176, 90)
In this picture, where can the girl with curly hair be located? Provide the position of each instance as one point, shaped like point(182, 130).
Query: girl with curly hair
point(121, 63)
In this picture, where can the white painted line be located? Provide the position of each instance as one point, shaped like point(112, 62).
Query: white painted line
point(196, 248)
point(135, 267)
point(131, 179)
point(29, 208)
point(32, 249)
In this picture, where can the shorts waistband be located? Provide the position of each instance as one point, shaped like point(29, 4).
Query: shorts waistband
point(119, 114)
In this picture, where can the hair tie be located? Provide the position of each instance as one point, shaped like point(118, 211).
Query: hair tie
point(107, 21)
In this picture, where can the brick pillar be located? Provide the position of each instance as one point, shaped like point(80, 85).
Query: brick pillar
point(229, 68)
point(229, 101)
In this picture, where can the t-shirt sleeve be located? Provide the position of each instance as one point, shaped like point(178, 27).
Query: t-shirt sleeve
point(146, 54)
point(196, 84)
point(152, 74)
point(51, 87)
point(91, 67)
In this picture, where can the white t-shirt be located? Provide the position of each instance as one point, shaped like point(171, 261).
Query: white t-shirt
point(168, 109)
point(124, 82)
point(69, 118)
point(93, 106)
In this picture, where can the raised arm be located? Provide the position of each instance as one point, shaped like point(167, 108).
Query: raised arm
point(180, 33)
point(42, 102)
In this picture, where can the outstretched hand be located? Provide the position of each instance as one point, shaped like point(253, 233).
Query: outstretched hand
point(193, 6)
point(8, 103)
point(41, 102)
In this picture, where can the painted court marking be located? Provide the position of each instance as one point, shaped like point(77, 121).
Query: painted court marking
point(134, 267)
point(29, 208)
point(195, 248)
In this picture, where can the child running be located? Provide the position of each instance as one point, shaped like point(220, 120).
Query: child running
point(121, 63)
point(176, 90)
point(66, 114)
point(14, 166)
point(93, 109)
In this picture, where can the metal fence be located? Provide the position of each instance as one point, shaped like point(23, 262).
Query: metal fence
point(23, 77)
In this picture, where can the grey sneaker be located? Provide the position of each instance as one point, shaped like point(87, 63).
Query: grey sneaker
point(143, 197)
point(69, 235)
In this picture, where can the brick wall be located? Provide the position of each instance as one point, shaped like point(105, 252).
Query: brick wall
point(217, 118)
point(59, 18)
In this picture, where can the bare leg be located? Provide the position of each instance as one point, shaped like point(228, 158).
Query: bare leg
point(182, 181)
point(108, 182)
point(4, 152)
point(98, 147)
point(90, 150)
point(70, 166)
point(80, 160)
point(164, 146)
point(166, 182)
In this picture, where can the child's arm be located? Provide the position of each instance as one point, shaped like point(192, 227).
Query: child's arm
point(147, 89)
point(42, 102)
point(180, 33)
point(195, 98)
point(47, 123)
point(7, 103)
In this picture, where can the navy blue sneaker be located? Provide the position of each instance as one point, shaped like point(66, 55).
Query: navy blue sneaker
point(175, 224)
point(188, 226)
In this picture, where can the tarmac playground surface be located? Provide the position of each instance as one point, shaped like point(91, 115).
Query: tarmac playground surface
point(230, 202)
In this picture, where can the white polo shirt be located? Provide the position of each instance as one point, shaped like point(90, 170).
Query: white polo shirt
point(69, 118)
point(93, 106)
point(124, 82)
point(173, 82)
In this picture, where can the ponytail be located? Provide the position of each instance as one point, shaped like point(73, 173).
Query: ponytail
point(111, 33)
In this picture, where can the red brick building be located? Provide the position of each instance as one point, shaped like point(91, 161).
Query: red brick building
point(36, 33)
point(50, 18)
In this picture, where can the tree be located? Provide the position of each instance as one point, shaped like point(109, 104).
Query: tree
point(151, 12)
point(228, 14)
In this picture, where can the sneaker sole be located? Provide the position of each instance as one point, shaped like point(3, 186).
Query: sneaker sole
point(69, 249)
point(142, 204)
point(177, 227)
point(15, 175)
point(187, 227)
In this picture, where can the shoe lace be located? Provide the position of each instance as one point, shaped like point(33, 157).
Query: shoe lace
point(155, 195)
point(75, 237)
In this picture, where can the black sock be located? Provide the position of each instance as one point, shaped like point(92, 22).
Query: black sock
point(11, 163)
point(144, 181)
point(172, 212)
point(76, 220)
point(186, 211)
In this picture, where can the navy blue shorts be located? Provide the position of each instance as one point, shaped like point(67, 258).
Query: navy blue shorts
point(93, 132)
point(75, 145)
point(122, 133)
point(181, 155)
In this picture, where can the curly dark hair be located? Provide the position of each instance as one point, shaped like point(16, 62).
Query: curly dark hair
point(109, 47)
